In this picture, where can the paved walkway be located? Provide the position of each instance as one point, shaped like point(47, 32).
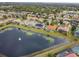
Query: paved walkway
point(52, 50)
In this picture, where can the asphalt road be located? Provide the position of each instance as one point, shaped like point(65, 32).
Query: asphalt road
point(55, 50)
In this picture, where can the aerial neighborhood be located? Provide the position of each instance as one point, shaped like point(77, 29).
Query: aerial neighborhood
point(42, 30)
point(63, 22)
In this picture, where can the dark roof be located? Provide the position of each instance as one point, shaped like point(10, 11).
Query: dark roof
point(40, 25)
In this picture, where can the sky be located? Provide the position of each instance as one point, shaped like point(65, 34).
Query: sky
point(56, 1)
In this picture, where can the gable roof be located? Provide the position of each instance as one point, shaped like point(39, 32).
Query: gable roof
point(64, 28)
point(52, 27)
point(71, 55)
point(76, 49)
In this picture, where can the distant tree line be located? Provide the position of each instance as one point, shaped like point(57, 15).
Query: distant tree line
point(39, 9)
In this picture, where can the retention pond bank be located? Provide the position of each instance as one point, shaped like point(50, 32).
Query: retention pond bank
point(16, 42)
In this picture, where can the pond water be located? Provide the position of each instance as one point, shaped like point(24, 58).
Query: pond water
point(16, 42)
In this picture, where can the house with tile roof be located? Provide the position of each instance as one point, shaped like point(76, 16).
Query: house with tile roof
point(71, 55)
point(64, 28)
point(52, 27)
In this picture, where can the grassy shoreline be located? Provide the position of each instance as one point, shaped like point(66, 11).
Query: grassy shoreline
point(55, 34)
point(52, 33)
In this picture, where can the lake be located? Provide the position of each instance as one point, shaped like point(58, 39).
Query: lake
point(15, 42)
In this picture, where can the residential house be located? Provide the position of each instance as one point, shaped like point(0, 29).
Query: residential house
point(51, 15)
point(66, 22)
point(71, 55)
point(40, 26)
point(64, 28)
point(40, 20)
point(66, 53)
point(76, 33)
point(76, 49)
point(63, 53)
point(34, 18)
point(52, 27)
point(29, 16)
point(1, 22)
point(1, 17)
point(29, 23)
point(49, 20)
point(18, 21)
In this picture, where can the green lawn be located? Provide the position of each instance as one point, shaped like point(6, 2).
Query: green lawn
point(52, 33)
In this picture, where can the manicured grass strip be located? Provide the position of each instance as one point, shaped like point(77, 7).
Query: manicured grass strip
point(52, 33)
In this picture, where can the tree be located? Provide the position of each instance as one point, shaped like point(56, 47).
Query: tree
point(23, 16)
point(73, 29)
point(49, 55)
point(4, 16)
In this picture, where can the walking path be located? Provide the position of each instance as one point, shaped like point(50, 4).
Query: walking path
point(55, 50)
